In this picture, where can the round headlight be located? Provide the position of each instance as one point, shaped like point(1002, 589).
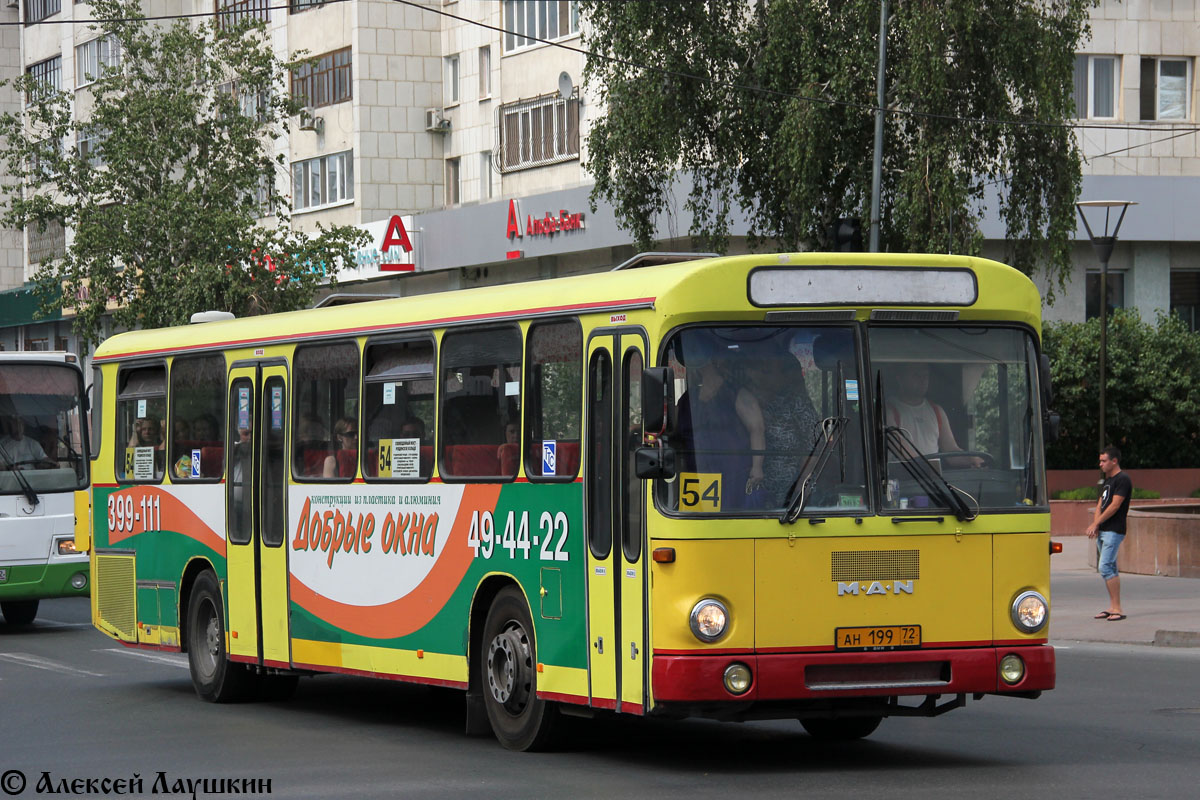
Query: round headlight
point(78, 580)
point(1030, 611)
point(1012, 669)
point(709, 620)
point(737, 678)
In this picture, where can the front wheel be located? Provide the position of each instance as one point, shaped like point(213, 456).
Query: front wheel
point(508, 675)
point(215, 678)
point(19, 612)
point(843, 729)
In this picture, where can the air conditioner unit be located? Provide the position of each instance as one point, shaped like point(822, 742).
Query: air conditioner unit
point(310, 122)
point(12, 3)
point(435, 121)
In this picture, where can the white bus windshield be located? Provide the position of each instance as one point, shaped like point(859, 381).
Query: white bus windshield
point(41, 433)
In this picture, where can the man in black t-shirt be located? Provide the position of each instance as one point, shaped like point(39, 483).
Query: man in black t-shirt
point(1109, 525)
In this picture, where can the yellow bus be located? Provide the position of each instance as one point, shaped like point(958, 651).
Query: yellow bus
point(802, 486)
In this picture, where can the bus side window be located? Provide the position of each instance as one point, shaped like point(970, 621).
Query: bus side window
point(481, 403)
point(141, 415)
point(195, 432)
point(325, 412)
point(398, 409)
point(554, 392)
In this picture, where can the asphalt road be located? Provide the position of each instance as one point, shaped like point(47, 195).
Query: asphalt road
point(1124, 722)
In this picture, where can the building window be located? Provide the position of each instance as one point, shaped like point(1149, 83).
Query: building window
point(46, 244)
point(1185, 297)
point(38, 345)
point(47, 76)
point(453, 181)
point(543, 130)
point(1116, 294)
point(231, 13)
point(541, 19)
point(1166, 88)
point(38, 10)
point(93, 59)
point(323, 181)
point(325, 82)
point(87, 141)
point(451, 80)
point(252, 105)
point(296, 6)
point(485, 71)
point(1096, 81)
point(485, 175)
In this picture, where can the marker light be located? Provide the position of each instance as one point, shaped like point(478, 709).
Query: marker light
point(1030, 611)
point(78, 580)
point(709, 620)
point(737, 678)
point(1012, 669)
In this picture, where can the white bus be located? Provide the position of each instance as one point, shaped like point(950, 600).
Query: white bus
point(43, 481)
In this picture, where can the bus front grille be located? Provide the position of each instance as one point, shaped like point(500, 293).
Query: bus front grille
point(875, 565)
point(116, 602)
point(877, 676)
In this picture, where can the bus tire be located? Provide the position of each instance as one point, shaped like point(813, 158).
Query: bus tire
point(19, 612)
point(508, 676)
point(842, 729)
point(215, 678)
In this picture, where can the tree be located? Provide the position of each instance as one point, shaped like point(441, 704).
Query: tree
point(769, 105)
point(1152, 401)
point(167, 178)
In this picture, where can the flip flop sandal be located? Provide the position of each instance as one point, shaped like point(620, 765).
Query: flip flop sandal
point(1103, 615)
point(1115, 617)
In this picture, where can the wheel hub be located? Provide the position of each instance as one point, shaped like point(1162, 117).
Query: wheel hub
point(506, 662)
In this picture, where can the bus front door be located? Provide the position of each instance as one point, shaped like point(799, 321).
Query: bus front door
point(616, 553)
point(256, 494)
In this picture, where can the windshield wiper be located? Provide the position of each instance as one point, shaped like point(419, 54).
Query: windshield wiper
point(936, 486)
point(814, 464)
point(30, 495)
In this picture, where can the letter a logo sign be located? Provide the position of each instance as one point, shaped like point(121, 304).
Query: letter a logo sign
point(396, 236)
point(514, 221)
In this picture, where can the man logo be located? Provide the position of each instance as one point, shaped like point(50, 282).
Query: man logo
point(875, 587)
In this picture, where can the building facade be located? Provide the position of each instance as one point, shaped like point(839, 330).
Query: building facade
point(454, 133)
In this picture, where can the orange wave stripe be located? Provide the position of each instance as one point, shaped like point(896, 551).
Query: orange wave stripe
point(173, 515)
point(414, 610)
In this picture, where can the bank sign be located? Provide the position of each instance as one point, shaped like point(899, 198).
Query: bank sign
point(547, 225)
point(391, 250)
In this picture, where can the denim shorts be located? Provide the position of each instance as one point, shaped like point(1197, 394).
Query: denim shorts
point(1108, 542)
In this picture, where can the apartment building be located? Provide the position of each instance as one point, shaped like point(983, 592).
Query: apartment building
point(454, 133)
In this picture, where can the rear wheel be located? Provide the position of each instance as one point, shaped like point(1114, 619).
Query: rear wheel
point(215, 677)
point(843, 729)
point(508, 676)
point(19, 612)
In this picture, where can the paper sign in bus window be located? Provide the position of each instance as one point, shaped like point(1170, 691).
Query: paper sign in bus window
point(549, 457)
point(852, 390)
point(195, 463)
point(700, 491)
point(143, 463)
point(389, 394)
point(406, 458)
point(141, 409)
point(243, 411)
point(276, 408)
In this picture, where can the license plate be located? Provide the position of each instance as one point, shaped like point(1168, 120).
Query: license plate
point(878, 637)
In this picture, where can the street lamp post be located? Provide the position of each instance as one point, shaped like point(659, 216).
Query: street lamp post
point(1103, 246)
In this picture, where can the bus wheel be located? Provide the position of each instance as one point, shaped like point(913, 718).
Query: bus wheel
point(19, 612)
point(215, 678)
point(843, 729)
point(509, 677)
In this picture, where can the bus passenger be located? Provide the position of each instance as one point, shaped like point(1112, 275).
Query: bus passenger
point(924, 422)
point(790, 423)
point(346, 432)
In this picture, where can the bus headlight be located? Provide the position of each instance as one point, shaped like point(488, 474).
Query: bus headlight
point(737, 678)
point(709, 619)
point(1012, 669)
point(65, 546)
point(78, 580)
point(1030, 611)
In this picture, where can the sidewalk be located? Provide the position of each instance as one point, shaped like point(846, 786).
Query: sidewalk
point(1161, 611)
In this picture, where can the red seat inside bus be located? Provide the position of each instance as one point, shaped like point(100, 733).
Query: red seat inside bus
point(469, 460)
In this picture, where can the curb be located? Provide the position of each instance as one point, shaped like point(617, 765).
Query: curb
point(1176, 639)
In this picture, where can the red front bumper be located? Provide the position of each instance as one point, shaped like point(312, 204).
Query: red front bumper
point(807, 676)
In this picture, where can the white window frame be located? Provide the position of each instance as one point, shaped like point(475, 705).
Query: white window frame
point(485, 72)
point(93, 57)
point(453, 181)
point(452, 81)
point(323, 182)
point(49, 80)
point(1187, 88)
point(541, 19)
point(486, 191)
point(85, 146)
point(1090, 87)
point(556, 147)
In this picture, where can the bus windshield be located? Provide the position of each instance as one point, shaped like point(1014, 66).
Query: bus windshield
point(756, 405)
point(775, 419)
point(41, 433)
point(959, 418)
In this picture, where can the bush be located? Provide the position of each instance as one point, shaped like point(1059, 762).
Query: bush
point(1152, 401)
point(1093, 493)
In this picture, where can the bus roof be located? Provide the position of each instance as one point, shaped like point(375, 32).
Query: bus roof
point(707, 288)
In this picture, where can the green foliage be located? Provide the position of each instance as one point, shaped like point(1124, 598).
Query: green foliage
point(1152, 401)
point(165, 204)
point(769, 104)
point(1093, 493)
